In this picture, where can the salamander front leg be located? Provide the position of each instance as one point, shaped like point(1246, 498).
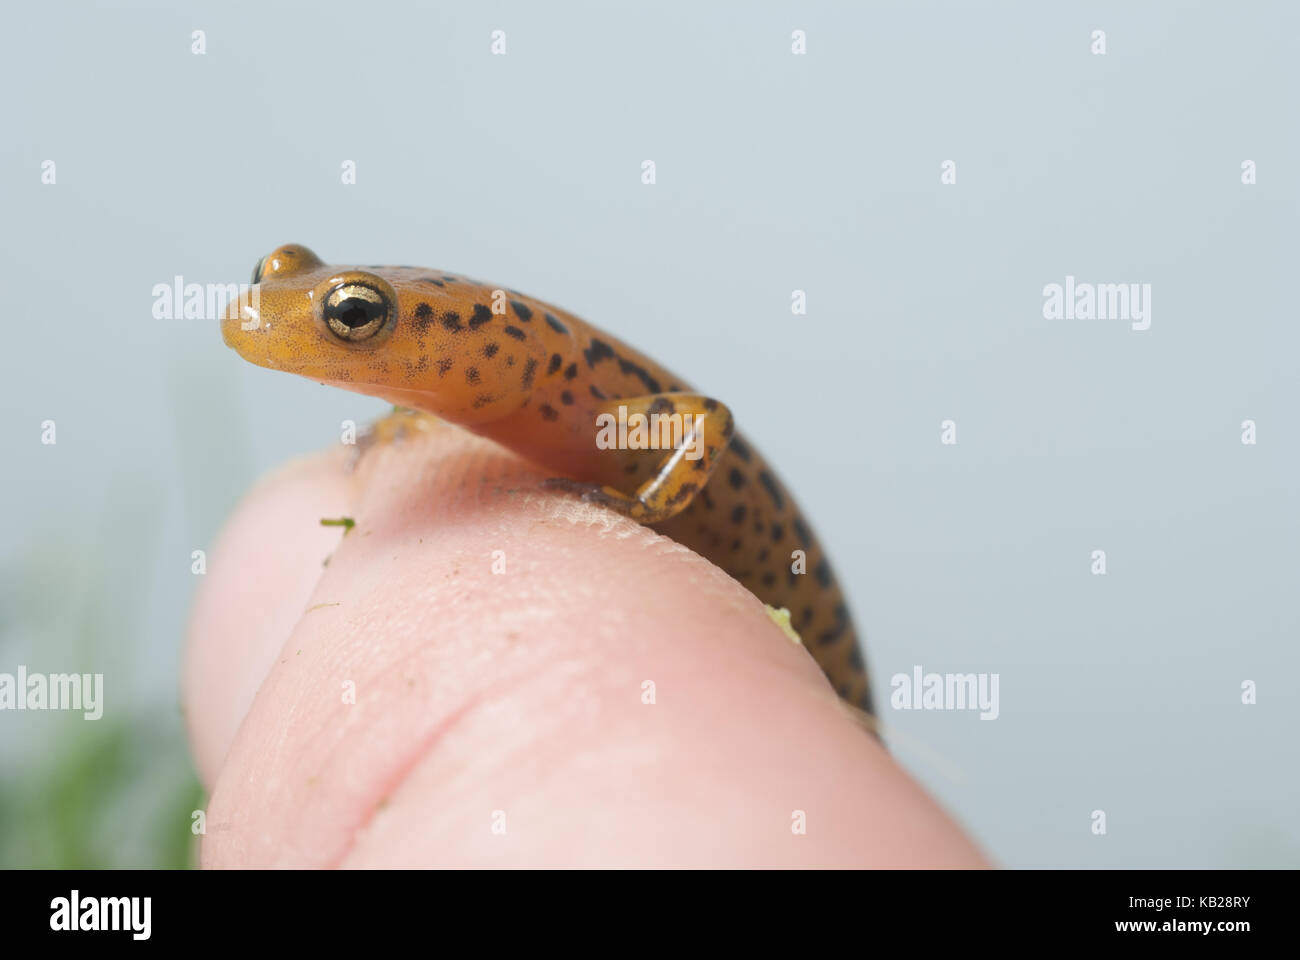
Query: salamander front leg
point(393, 428)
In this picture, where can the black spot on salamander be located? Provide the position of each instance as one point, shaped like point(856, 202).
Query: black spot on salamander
point(481, 316)
point(710, 404)
point(566, 398)
point(447, 279)
point(740, 449)
point(684, 492)
point(482, 400)
point(827, 637)
point(700, 464)
point(530, 368)
point(570, 371)
point(763, 555)
point(451, 320)
point(598, 351)
point(738, 514)
point(522, 311)
point(769, 579)
point(758, 523)
point(736, 478)
point(673, 388)
point(548, 412)
point(471, 375)
point(801, 531)
point(433, 280)
point(855, 658)
point(823, 574)
point(778, 532)
point(772, 489)
point(706, 499)
point(807, 616)
point(423, 317)
point(444, 365)
point(516, 333)
point(598, 393)
point(735, 545)
point(556, 362)
point(638, 371)
point(630, 468)
point(661, 405)
point(490, 350)
point(555, 324)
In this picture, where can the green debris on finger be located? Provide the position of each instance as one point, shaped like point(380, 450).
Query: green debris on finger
point(347, 523)
point(781, 617)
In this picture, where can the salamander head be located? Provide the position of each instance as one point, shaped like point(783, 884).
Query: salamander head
point(327, 323)
point(415, 337)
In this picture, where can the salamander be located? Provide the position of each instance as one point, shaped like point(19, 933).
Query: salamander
point(543, 383)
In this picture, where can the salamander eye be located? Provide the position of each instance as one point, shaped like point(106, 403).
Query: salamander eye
point(354, 311)
point(257, 270)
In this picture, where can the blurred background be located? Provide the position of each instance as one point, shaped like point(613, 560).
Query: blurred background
point(774, 172)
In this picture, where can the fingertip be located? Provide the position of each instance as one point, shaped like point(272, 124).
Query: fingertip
point(481, 648)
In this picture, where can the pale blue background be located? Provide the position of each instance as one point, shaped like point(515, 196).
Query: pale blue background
point(775, 172)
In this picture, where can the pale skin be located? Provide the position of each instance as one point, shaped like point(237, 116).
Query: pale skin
point(513, 699)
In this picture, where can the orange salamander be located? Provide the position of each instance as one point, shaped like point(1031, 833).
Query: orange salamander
point(535, 379)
